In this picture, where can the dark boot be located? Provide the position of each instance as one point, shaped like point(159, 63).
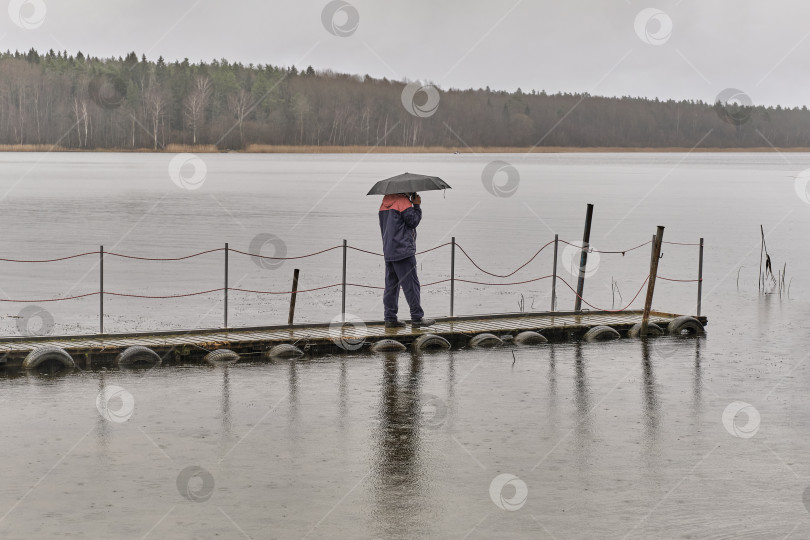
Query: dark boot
point(422, 322)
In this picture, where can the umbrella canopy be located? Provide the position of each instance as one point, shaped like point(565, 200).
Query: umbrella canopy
point(408, 183)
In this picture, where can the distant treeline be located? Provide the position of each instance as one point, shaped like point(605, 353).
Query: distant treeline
point(86, 102)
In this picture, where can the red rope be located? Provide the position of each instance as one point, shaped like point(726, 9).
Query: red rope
point(51, 260)
point(48, 300)
point(162, 259)
point(286, 292)
point(435, 247)
point(498, 284)
point(365, 251)
point(602, 309)
point(590, 249)
point(285, 258)
point(505, 275)
point(679, 280)
point(381, 255)
point(168, 296)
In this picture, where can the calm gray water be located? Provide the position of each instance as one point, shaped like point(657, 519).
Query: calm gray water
point(602, 440)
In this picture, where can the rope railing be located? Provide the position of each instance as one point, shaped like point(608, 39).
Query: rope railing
point(344, 284)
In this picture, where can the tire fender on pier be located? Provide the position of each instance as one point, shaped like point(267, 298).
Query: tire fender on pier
point(388, 345)
point(48, 353)
point(530, 338)
point(685, 325)
point(137, 354)
point(428, 342)
point(652, 330)
point(485, 340)
point(221, 356)
point(285, 350)
point(601, 333)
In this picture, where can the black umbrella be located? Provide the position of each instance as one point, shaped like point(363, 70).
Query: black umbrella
point(408, 183)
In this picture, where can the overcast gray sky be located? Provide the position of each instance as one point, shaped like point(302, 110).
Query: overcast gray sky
point(599, 46)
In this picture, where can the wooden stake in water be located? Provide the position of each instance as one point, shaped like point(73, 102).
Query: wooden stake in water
point(656, 256)
point(292, 297)
point(583, 259)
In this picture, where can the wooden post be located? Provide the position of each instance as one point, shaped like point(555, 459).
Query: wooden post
point(292, 297)
point(101, 289)
point(656, 255)
point(452, 273)
point(554, 275)
point(343, 294)
point(226, 285)
point(583, 259)
point(700, 278)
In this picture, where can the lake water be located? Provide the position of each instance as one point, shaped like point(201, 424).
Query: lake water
point(615, 440)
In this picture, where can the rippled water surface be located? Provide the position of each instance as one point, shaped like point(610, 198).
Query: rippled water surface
point(611, 440)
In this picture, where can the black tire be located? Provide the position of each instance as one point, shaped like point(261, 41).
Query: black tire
point(285, 350)
point(138, 354)
point(601, 333)
point(485, 340)
point(685, 325)
point(221, 356)
point(430, 342)
point(48, 353)
point(388, 345)
point(652, 330)
point(530, 338)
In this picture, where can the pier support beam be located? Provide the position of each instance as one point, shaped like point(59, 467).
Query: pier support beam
point(656, 256)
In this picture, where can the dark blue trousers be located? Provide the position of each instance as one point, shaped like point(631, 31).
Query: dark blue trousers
point(401, 274)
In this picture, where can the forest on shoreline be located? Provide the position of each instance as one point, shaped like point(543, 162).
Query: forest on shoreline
point(129, 103)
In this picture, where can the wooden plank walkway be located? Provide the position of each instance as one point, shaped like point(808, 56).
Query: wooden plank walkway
point(96, 350)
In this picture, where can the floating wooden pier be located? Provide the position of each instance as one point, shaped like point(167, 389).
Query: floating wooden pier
point(100, 350)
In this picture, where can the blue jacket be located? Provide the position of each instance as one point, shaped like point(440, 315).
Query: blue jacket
point(398, 221)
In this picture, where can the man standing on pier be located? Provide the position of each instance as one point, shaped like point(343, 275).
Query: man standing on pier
point(400, 214)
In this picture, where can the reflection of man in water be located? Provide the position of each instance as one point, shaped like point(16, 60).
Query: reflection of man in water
point(400, 493)
point(399, 217)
